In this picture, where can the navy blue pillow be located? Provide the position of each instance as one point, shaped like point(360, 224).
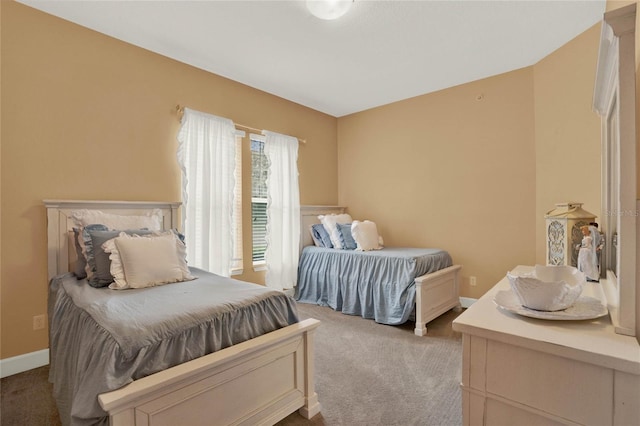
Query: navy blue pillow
point(346, 238)
point(321, 235)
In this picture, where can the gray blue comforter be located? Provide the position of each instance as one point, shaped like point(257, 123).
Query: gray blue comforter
point(375, 284)
point(102, 339)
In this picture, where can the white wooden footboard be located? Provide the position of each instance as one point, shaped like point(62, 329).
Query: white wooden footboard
point(436, 293)
point(258, 382)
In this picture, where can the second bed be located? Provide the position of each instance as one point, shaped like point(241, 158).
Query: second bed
point(387, 285)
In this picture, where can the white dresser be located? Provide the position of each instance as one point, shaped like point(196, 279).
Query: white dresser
point(523, 371)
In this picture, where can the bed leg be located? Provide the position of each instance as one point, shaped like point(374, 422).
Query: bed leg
point(311, 405)
point(420, 330)
point(421, 325)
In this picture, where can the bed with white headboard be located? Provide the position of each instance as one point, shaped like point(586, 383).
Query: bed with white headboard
point(258, 381)
point(435, 293)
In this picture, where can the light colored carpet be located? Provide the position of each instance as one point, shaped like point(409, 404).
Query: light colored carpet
point(374, 374)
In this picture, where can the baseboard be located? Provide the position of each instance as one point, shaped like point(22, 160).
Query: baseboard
point(21, 363)
point(465, 302)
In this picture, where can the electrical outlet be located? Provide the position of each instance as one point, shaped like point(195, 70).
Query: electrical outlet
point(38, 322)
point(472, 281)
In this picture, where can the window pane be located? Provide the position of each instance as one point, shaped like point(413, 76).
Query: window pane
point(259, 222)
point(259, 174)
point(259, 170)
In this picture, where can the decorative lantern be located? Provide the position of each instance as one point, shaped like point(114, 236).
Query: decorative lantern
point(563, 232)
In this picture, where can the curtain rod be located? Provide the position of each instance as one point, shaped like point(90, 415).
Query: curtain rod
point(180, 112)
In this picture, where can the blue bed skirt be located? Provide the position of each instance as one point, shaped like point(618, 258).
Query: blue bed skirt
point(377, 284)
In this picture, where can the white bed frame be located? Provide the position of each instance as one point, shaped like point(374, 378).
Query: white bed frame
point(257, 382)
point(436, 293)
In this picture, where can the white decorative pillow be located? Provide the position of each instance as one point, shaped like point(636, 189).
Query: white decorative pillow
point(366, 235)
point(151, 220)
point(329, 222)
point(139, 261)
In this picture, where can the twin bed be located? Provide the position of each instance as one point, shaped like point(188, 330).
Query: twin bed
point(215, 350)
point(391, 285)
point(148, 356)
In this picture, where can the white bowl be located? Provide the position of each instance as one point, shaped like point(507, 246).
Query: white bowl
point(548, 288)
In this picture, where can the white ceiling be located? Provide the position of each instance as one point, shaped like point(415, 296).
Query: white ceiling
point(380, 52)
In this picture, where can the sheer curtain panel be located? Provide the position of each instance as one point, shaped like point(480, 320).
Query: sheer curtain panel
point(206, 155)
point(283, 211)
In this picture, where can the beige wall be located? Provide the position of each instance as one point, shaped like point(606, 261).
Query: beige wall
point(476, 176)
point(453, 169)
point(85, 116)
point(567, 131)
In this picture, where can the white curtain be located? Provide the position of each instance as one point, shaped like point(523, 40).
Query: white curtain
point(206, 155)
point(283, 211)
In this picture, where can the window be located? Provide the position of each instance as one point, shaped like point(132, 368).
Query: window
point(259, 174)
point(210, 158)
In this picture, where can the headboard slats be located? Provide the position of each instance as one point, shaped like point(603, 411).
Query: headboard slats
point(59, 223)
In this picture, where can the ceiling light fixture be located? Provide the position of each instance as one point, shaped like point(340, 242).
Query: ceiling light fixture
point(329, 9)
